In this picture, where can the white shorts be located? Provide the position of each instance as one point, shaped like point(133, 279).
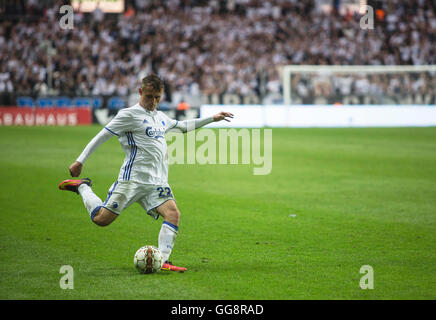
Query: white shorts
point(150, 196)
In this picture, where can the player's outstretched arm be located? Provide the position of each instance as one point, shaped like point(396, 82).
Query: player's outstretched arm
point(192, 124)
point(76, 167)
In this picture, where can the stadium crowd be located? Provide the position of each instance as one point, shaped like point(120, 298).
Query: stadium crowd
point(207, 47)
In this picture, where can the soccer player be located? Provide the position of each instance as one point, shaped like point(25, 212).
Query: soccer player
point(143, 177)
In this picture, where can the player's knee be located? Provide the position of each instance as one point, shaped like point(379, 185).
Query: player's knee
point(101, 222)
point(101, 219)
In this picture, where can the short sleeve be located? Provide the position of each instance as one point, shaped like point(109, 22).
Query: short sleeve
point(120, 123)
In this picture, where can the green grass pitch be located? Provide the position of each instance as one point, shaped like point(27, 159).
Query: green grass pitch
point(337, 199)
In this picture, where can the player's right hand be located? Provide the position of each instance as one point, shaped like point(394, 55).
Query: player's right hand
point(75, 169)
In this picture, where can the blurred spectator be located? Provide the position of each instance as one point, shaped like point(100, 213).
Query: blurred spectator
point(130, 12)
point(181, 109)
point(98, 14)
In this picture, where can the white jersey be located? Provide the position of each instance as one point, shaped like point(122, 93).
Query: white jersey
point(141, 134)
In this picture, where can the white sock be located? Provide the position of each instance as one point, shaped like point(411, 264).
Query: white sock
point(91, 201)
point(167, 236)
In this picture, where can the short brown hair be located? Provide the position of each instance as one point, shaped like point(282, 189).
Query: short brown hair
point(154, 81)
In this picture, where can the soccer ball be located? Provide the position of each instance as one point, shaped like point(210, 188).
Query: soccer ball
point(148, 259)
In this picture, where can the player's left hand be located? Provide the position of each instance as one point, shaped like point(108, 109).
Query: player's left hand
point(75, 169)
point(222, 116)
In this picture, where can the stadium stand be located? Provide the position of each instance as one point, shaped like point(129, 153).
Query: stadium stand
point(204, 48)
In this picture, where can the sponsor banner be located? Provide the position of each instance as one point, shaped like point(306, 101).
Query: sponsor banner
point(115, 103)
point(246, 116)
point(276, 99)
point(361, 116)
point(13, 116)
point(324, 116)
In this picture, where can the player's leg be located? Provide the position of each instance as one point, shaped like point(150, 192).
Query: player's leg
point(168, 232)
point(170, 227)
point(93, 204)
point(160, 201)
point(83, 187)
point(169, 212)
point(103, 214)
point(103, 217)
point(99, 215)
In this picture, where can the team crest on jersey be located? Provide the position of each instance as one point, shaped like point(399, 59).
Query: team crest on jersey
point(155, 132)
point(145, 121)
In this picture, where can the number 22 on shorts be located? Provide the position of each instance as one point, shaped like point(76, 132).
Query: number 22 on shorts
point(164, 192)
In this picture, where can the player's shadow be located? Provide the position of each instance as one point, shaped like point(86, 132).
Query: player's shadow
point(133, 272)
point(123, 272)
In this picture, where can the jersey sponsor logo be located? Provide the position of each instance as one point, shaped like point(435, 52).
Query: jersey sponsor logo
point(155, 132)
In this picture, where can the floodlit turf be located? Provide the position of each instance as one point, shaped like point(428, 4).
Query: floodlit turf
point(337, 199)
